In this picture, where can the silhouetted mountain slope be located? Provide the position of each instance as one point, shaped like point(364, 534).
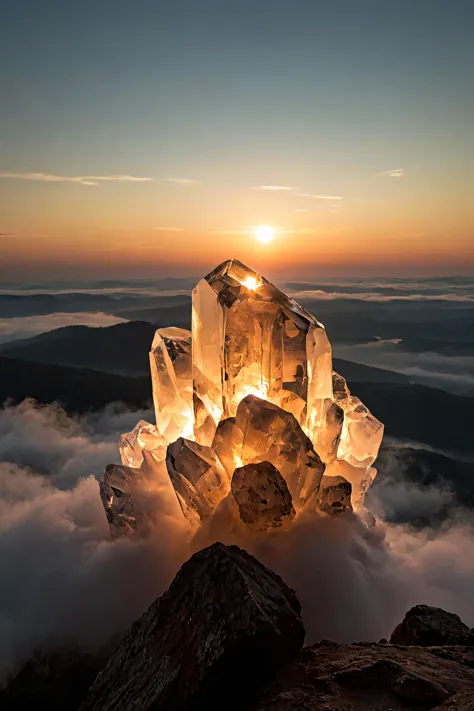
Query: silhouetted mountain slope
point(441, 326)
point(17, 305)
point(419, 413)
point(174, 315)
point(356, 372)
point(122, 348)
point(77, 389)
point(413, 412)
point(401, 468)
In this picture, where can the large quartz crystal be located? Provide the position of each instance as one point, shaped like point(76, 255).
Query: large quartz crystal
point(249, 414)
point(249, 337)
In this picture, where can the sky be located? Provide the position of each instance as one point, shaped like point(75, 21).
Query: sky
point(152, 137)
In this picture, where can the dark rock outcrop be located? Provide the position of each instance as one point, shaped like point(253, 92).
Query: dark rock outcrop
point(358, 677)
point(458, 702)
point(262, 496)
point(426, 626)
point(53, 681)
point(224, 623)
point(334, 495)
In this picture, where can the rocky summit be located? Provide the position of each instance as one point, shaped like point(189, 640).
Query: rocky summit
point(427, 626)
point(372, 677)
point(228, 635)
point(225, 622)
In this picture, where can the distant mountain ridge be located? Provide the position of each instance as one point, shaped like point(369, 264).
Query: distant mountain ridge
point(78, 390)
point(20, 305)
point(123, 348)
point(408, 411)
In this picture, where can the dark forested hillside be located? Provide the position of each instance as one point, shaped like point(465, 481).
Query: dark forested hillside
point(77, 389)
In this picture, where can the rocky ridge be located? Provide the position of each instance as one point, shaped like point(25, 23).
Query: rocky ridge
point(228, 635)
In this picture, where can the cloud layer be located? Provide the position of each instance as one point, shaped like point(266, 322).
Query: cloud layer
point(12, 329)
point(452, 373)
point(89, 179)
point(396, 173)
point(65, 582)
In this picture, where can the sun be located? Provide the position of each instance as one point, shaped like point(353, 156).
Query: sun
point(264, 234)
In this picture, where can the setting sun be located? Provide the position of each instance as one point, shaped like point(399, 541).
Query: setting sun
point(264, 234)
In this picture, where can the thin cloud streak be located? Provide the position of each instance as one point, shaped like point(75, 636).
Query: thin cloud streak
point(320, 197)
point(273, 188)
point(183, 181)
point(90, 179)
point(81, 179)
point(396, 173)
point(319, 294)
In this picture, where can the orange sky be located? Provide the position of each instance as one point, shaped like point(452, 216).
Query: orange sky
point(152, 140)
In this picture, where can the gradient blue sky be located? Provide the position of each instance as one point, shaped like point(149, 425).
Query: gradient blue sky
point(328, 98)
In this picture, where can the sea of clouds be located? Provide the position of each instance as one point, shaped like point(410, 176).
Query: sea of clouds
point(64, 582)
point(12, 329)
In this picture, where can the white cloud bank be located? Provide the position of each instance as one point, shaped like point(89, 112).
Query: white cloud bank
point(11, 329)
point(65, 582)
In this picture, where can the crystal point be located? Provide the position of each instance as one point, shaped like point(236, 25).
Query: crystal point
point(250, 337)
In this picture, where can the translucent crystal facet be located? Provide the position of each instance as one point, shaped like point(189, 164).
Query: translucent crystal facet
point(274, 435)
point(360, 478)
point(327, 436)
point(339, 386)
point(361, 434)
point(144, 436)
point(171, 377)
point(116, 491)
point(227, 444)
point(198, 477)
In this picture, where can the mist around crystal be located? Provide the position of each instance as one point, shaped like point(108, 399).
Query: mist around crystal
point(252, 425)
point(65, 583)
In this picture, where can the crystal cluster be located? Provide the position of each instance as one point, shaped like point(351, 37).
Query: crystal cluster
point(248, 411)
